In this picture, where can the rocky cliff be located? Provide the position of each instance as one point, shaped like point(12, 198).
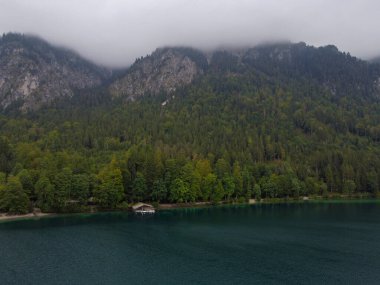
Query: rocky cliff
point(163, 71)
point(33, 73)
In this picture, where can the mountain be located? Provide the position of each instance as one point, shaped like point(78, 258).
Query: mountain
point(180, 125)
point(171, 68)
point(163, 71)
point(338, 72)
point(34, 73)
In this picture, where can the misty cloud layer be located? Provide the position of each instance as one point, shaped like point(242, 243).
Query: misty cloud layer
point(115, 32)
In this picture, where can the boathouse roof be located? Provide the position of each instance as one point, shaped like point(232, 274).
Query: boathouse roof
point(139, 205)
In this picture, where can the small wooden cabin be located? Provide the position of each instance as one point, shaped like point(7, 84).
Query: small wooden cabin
point(142, 208)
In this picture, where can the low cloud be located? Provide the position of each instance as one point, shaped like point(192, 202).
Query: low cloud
point(115, 32)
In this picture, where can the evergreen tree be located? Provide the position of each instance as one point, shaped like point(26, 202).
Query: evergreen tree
point(238, 179)
point(208, 186)
point(218, 193)
point(6, 156)
point(44, 193)
point(27, 183)
point(62, 188)
point(221, 168)
point(257, 192)
point(159, 192)
point(139, 188)
point(229, 186)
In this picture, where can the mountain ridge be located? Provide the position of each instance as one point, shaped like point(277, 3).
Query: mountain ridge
point(326, 65)
point(34, 73)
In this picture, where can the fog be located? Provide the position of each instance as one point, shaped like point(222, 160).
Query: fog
point(115, 32)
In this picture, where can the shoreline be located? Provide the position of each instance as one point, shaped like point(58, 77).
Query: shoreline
point(332, 198)
point(4, 217)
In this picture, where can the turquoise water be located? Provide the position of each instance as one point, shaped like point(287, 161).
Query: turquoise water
point(307, 243)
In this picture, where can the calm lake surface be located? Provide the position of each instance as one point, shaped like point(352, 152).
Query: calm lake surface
point(312, 243)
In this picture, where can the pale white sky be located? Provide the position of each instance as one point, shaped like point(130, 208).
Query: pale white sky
point(115, 32)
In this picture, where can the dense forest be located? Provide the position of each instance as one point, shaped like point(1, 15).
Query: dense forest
point(249, 127)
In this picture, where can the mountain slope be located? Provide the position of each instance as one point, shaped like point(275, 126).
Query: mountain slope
point(163, 71)
point(339, 72)
point(171, 68)
point(34, 73)
point(275, 121)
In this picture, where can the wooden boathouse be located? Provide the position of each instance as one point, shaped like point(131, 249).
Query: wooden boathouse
point(142, 208)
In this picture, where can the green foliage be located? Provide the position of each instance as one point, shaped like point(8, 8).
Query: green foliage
point(349, 187)
point(257, 192)
point(110, 191)
point(269, 187)
point(13, 198)
point(178, 191)
point(222, 168)
point(62, 188)
point(140, 189)
point(218, 193)
point(160, 191)
point(80, 189)
point(6, 156)
point(44, 190)
point(27, 182)
point(3, 178)
point(238, 179)
point(209, 184)
point(229, 186)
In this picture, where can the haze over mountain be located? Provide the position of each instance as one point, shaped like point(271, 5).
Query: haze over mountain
point(34, 73)
point(182, 125)
point(116, 32)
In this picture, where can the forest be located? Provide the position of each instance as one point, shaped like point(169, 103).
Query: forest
point(232, 135)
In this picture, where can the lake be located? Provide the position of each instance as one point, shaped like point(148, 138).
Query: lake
point(298, 243)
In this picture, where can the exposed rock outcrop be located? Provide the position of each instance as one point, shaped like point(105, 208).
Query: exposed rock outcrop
point(34, 73)
point(165, 70)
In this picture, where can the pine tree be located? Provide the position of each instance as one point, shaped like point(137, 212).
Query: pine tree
point(44, 193)
point(159, 192)
point(140, 188)
point(62, 189)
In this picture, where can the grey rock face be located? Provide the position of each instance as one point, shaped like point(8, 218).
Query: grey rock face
point(33, 73)
point(164, 70)
point(377, 86)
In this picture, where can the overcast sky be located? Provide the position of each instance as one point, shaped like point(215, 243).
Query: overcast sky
point(115, 32)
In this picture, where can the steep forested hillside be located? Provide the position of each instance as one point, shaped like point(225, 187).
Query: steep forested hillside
point(272, 121)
